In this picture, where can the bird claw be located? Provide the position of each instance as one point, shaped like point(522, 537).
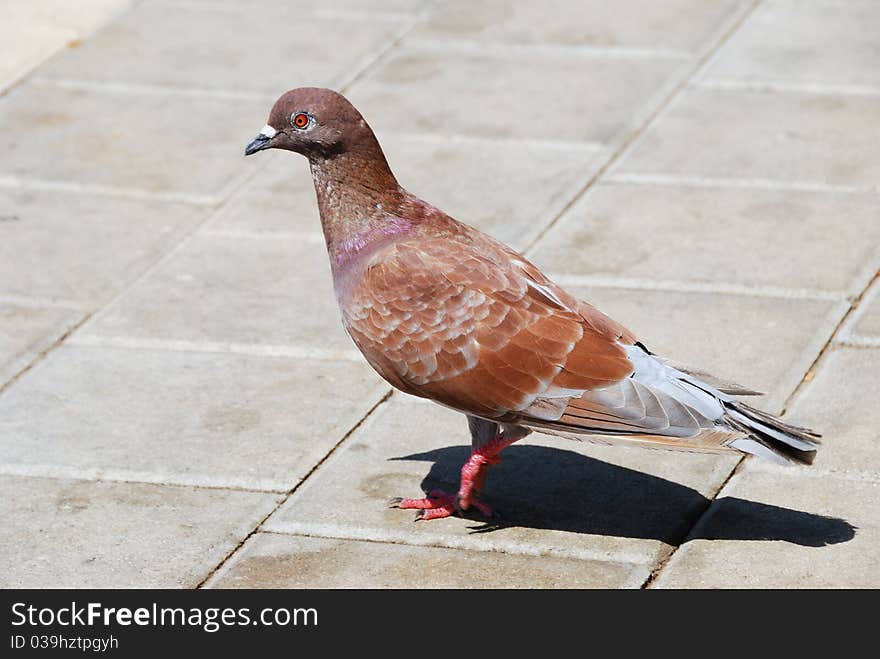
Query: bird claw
point(438, 504)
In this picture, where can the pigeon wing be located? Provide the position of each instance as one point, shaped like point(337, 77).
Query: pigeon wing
point(475, 326)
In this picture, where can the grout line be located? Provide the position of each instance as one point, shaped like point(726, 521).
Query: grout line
point(29, 302)
point(291, 491)
point(439, 541)
point(770, 86)
point(143, 88)
point(42, 354)
point(859, 341)
point(633, 138)
point(498, 48)
point(576, 146)
point(376, 15)
point(736, 183)
point(799, 369)
point(346, 82)
point(828, 344)
point(707, 510)
point(871, 294)
point(851, 475)
point(103, 475)
point(17, 183)
point(182, 345)
point(280, 11)
point(601, 281)
point(274, 235)
point(337, 532)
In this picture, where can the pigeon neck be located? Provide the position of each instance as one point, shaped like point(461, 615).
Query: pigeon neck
point(357, 198)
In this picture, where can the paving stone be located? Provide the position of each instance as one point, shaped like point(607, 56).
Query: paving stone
point(374, 7)
point(741, 236)
point(81, 17)
point(75, 137)
point(556, 497)
point(778, 531)
point(825, 43)
point(32, 31)
point(799, 137)
point(220, 289)
point(279, 199)
point(62, 533)
point(144, 47)
point(214, 419)
point(282, 561)
point(479, 92)
point(23, 48)
point(511, 190)
point(81, 247)
point(681, 24)
point(26, 330)
point(867, 322)
point(841, 403)
point(764, 343)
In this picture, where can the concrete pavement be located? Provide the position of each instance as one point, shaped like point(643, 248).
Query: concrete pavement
point(180, 407)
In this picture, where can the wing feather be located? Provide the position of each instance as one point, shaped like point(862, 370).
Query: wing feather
point(477, 327)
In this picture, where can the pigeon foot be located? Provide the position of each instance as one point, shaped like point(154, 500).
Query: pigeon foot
point(439, 504)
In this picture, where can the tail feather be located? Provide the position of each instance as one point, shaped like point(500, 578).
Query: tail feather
point(769, 437)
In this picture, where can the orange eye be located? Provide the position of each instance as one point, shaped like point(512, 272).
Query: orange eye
point(300, 120)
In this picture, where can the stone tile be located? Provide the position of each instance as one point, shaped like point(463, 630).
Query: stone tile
point(867, 317)
point(63, 533)
point(743, 236)
point(24, 48)
point(279, 199)
point(681, 24)
point(281, 561)
point(144, 47)
point(32, 31)
point(841, 403)
point(556, 497)
point(222, 420)
point(26, 330)
point(81, 247)
point(783, 531)
point(826, 43)
point(81, 17)
point(764, 343)
point(484, 93)
point(374, 7)
point(799, 137)
point(510, 190)
point(150, 143)
point(219, 289)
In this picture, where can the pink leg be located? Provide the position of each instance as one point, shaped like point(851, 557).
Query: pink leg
point(439, 504)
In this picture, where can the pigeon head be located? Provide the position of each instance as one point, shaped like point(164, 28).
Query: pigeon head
point(354, 185)
point(318, 123)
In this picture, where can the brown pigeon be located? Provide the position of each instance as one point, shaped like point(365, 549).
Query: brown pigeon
point(448, 313)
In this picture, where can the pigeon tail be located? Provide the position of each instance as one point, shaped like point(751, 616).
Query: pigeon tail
point(770, 437)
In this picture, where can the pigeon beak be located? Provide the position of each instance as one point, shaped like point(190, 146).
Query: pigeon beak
point(261, 141)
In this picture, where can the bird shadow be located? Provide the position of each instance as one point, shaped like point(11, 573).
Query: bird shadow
point(548, 488)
